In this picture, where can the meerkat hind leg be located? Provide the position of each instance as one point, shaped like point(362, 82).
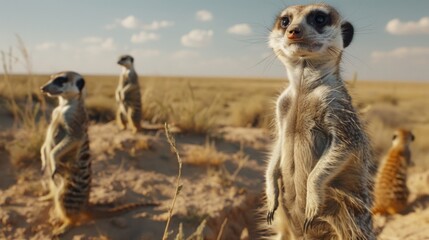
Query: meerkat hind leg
point(134, 120)
point(120, 119)
point(61, 230)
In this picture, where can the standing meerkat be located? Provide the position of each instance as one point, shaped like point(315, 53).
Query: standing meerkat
point(66, 154)
point(390, 191)
point(128, 96)
point(318, 181)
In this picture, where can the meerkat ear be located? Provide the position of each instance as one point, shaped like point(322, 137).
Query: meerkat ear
point(80, 83)
point(347, 32)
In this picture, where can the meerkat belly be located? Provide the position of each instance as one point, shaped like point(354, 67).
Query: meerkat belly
point(305, 142)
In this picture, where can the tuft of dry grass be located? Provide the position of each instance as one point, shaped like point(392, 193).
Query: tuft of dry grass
point(206, 155)
point(100, 109)
point(253, 112)
point(29, 113)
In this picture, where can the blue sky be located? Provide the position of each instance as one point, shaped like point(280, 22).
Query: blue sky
point(207, 38)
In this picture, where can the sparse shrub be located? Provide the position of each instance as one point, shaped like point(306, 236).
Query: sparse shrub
point(206, 155)
point(100, 109)
point(252, 112)
point(29, 114)
point(388, 98)
point(193, 115)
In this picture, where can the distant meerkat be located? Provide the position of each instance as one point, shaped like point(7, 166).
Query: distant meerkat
point(318, 181)
point(128, 96)
point(390, 191)
point(66, 153)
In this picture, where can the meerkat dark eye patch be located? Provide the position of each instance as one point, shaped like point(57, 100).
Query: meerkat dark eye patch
point(394, 137)
point(318, 20)
point(413, 137)
point(59, 81)
point(80, 83)
point(347, 31)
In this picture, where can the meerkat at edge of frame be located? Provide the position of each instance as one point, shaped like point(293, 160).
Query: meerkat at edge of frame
point(318, 181)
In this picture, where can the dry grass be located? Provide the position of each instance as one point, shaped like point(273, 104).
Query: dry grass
point(100, 109)
point(198, 105)
point(206, 155)
point(179, 185)
point(27, 106)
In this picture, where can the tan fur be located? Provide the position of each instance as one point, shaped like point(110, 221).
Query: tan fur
point(391, 192)
point(318, 184)
point(128, 96)
point(65, 155)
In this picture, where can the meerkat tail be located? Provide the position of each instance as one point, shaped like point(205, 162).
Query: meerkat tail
point(106, 211)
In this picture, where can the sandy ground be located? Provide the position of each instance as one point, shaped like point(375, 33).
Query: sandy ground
point(142, 168)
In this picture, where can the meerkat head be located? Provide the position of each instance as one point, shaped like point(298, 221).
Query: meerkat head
point(64, 84)
point(126, 61)
point(403, 136)
point(310, 31)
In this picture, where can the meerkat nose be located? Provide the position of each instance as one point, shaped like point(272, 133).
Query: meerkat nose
point(294, 33)
point(43, 89)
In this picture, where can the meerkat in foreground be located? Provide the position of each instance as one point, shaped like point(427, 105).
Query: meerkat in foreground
point(66, 154)
point(390, 191)
point(318, 181)
point(128, 96)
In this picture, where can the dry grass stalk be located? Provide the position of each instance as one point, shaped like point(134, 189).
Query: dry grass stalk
point(198, 234)
point(179, 186)
point(222, 228)
point(206, 155)
point(30, 116)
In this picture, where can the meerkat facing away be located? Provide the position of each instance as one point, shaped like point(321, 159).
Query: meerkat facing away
point(128, 96)
point(66, 154)
point(318, 181)
point(391, 191)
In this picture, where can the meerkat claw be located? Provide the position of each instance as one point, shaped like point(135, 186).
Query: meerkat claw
point(307, 224)
point(270, 217)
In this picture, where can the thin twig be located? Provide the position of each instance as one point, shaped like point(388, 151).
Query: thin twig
point(172, 143)
point(222, 227)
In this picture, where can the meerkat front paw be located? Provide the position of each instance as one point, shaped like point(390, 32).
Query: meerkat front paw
point(273, 204)
point(311, 209)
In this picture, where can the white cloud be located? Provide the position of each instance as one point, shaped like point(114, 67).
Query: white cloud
point(197, 38)
point(92, 40)
point(240, 29)
point(145, 53)
point(204, 16)
point(111, 26)
point(130, 22)
point(155, 25)
point(396, 27)
point(108, 44)
point(184, 54)
point(45, 46)
point(144, 37)
point(401, 53)
point(97, 45)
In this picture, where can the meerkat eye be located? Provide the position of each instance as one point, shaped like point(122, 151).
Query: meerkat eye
point(320, 19)
point(59, 81)
point(284, 22)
